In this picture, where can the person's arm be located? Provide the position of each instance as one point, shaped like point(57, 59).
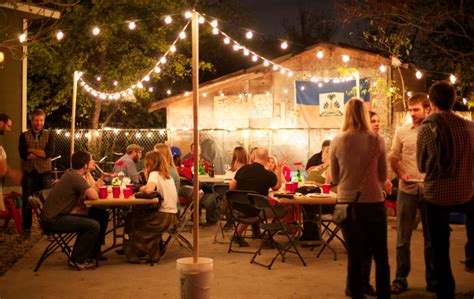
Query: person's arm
point(91, 194)
point(395, 157)
point(278, 175)
point(38, 153)
point(50, 146)
point(233, 185)
point(382, 163)
point(148, 188)
point(334, 164)
point(3, 167)
point(132, 172)
point(422, 148)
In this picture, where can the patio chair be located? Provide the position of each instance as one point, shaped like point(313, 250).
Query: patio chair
point(239, 204)
point(270, 229)
point(175, 232)
point(57, 241)
point(332, 229)
point(219, 191)
point(11, 212)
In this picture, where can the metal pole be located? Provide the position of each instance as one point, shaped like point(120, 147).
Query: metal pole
point(195, 66)
point(73, 113)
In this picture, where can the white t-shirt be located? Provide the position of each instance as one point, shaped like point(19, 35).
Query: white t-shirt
point(167, 189)
point(3, 156)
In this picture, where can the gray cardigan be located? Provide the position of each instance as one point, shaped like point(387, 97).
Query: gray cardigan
point(350, 154)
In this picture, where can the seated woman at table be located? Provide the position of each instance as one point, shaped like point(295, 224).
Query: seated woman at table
point(148, 223)
point(239, 159)
point(165, 151)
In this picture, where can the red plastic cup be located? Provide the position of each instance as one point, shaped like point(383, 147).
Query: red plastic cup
point(102, 192)
point(289, 187)
point(326, 188)
point(127, 192)
point(131, 187)
point(295, 186)
point(116, 191)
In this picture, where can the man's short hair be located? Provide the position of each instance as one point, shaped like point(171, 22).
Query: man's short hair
point(442, 95)
point(421, 98)
point(4, 117)
point(79, 159)
point(134, 148)
point(37, 112)
point(326, 142)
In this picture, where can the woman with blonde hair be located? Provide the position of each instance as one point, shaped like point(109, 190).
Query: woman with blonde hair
point(165, 151)
point(147, 224)
point(359, 167)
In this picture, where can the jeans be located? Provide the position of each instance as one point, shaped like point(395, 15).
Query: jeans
point(368, 231)
point(438, 221)
point(407, 205)
point(32, 182)
point(102, 217)
point(87, 231)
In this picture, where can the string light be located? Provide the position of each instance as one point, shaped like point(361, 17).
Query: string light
point(59, 35)
point(98, 78)
point(226, 40)
point(201, 20)
point(22, 37)
point(173, 49)
point(115, 83)
point(345, 58)
point(383, 68)
point(214, 24)
point(168, 92)
point(182, 35)
point(320, 54)
point(215, 31)
point(188, 15)
point(452, 78)
point(168, 20)
point(284, 45)
point(132, 25)
point(418, 74)
point(95, 30)
point(249, 35)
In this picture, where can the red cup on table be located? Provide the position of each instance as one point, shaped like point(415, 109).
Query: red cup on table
point(103, 192)
point(127, 192)
point(289, 187)
point(294, 187)
point(326, 188)
point(131, 187)
point(116, 191)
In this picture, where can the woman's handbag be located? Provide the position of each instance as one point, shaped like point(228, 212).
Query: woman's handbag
point(343, 210)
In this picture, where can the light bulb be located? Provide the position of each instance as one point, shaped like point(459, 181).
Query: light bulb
point(418, 74)
point(320, 54)
point(215, 31)
point(236, 47)
point(246, 52)
point(226, 40)
point(168, 20)
point(383, 68)
point(157, 70)
point(409, 93)
point(320, 84)
point(132, 25)
point(214, 23)
point(391, 89)
point(188, 15)
point(254, 58)
point(285, 90)
point(146, 78)
point(275, 67)
point(284, 45)
point(115, 83)
point(201, 20)
point(282, 71)
point(150, 89)
point(96, 30)
point(290, 74)
point(140, 85)
point(22, 37)
point(345, 58)
point(182, 35)
point(302, 88)
point(163, 60)
point(168, 91)
point(204, 94)
point(452, 78)
point(173, 49)
point(98, 78)
point(59, 35)
point(249, 35)
point(266, 63)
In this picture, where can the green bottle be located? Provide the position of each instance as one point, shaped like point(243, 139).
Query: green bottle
point(201, 168)
point(298, 176)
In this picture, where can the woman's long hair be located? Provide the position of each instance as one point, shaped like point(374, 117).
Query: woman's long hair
point(154, 162)
point(356, 116)
point(239, 155)
point(165, 151)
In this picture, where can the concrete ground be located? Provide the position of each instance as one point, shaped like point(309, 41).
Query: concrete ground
point(234, 276)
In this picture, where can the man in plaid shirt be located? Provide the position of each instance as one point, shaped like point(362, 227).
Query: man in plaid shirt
point(445, 148)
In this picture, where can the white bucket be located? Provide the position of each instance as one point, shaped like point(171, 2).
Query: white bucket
point(195, 278)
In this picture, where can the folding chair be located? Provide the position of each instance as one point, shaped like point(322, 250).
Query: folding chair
point(175, 232)
point(11, 212)
point(326, 222)
point(58, 240)
point(239, 205)
point(219, 191)
point(271, 229)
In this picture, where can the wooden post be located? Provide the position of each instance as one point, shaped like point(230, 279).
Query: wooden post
point(195, 67)
point(73, 113)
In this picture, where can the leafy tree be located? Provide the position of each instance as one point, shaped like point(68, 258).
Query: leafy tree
point(117, 54)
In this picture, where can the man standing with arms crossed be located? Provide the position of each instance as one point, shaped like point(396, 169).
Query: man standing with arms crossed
point(410, 195)
point(444, 152)
point(36, 147)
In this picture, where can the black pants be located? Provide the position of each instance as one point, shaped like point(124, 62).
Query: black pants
point(32, 182)
point(368, 231)
point(101, 216)
point(438, 222)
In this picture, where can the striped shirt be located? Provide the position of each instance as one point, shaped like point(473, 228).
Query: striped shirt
point(442, 188)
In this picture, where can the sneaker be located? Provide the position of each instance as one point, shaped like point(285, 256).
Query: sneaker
point(87, 265)
point(239, 240)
